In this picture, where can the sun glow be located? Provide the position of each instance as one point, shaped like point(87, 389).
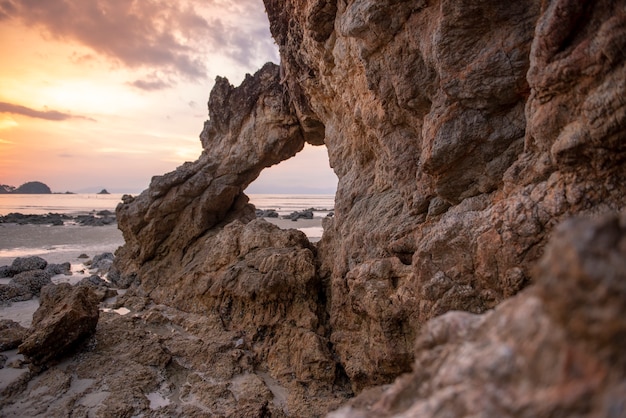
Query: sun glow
point(7, 123)
point(88, 97)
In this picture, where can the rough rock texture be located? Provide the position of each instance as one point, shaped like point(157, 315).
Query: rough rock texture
point(461, 132)
point(556, 349)
point(11, 334)
point(167, 363)
point(14, 292)
point(33, 280)
point(66, 316)
point(23, 264)
point(251, 127)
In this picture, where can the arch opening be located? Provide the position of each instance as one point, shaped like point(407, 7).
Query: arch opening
point(285, 193)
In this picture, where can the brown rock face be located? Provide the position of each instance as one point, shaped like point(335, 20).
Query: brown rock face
point(65, 317)
point(554, 350)
point(11, 334)
point(461, 132)
point(192, 241)
point(251, 127)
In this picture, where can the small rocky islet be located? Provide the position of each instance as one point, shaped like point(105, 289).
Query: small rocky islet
point(474, 265)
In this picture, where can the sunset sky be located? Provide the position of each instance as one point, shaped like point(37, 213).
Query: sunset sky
point(108, 93)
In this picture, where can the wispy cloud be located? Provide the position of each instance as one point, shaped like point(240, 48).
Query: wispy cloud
point(52, 115)
point(174, 37)
point(150, 85)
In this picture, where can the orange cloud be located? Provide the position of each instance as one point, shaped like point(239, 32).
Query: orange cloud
point(174, 37)
point(52, 115)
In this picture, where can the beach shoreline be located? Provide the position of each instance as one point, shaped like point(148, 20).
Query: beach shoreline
point(59, 244)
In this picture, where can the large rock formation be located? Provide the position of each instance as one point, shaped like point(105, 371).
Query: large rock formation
point(462, 133)
point(553, 350)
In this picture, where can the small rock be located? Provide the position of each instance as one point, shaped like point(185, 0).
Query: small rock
point(22, 264)
point(102, 262)
point(93, 280)
point(304, 214)
point(83, 255)
point(67, 315)
point(54, 269)
point(5, 271)
point(14, 292)
point(11, 334)
point(34, 280)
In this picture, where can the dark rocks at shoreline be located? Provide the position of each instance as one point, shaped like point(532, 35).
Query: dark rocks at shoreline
point(266, 213)
point(101, 218)
point(22, 264)
point(11, 334)
point(303, 214)
point(63, 268)
point(33, 280)
point(29, 274)
point(14, 292)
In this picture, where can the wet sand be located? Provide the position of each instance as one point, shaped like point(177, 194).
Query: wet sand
point(58, 244)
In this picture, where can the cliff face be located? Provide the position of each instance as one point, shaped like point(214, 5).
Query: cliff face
point(462, 133)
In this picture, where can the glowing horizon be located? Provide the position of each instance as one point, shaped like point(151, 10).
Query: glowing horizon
point(113, 93)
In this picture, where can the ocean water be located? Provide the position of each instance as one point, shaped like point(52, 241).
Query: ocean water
point(284, 204)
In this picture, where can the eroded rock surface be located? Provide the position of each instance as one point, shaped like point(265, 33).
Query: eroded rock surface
point(251, 127)
point(66, 316)
point(462, 133)
point(553, 350)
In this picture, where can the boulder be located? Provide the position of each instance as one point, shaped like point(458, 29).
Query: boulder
point(64, 268)
point(14, 292)
point(5, 271)
point(11, 334)
point(21, 264)
point(66, 316)
point(99, 286)
point(266, 213)
point(102, 262)
point(303, 214)
point(33, 280)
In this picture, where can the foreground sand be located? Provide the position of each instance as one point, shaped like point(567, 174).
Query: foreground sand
point(57, 244)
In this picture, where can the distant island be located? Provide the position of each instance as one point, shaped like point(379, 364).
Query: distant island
point(31, 187)
point(103, 191)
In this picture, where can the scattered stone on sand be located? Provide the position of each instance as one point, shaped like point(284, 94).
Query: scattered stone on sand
point(63, 268)
point(101, 218)
point(34, 280)
point(266, 213)
point(11, 334)
point(303, 214)
point(14, 292)
point(66, 316)
point(22, 264)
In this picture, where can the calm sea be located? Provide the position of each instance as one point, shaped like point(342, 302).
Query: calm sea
point(80, 203)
